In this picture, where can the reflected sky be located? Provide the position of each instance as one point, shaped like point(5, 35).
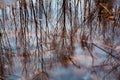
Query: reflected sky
point(62, 42)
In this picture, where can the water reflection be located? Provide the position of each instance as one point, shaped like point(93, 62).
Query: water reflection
point(60, 40)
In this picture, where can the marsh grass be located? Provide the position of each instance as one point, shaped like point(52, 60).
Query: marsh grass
point(30, 30)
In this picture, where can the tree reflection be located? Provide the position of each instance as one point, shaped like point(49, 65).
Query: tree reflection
point(37, 35)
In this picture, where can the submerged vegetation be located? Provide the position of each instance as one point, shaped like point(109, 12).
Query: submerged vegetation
point(37, 35)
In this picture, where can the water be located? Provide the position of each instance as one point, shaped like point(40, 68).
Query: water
point(59, 40)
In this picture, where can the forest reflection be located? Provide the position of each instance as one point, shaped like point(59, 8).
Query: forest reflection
point(60, 40)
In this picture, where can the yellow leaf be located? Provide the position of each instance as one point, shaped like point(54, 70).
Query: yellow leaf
point(111, 17)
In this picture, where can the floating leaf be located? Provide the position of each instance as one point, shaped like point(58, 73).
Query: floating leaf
point(111, 17)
